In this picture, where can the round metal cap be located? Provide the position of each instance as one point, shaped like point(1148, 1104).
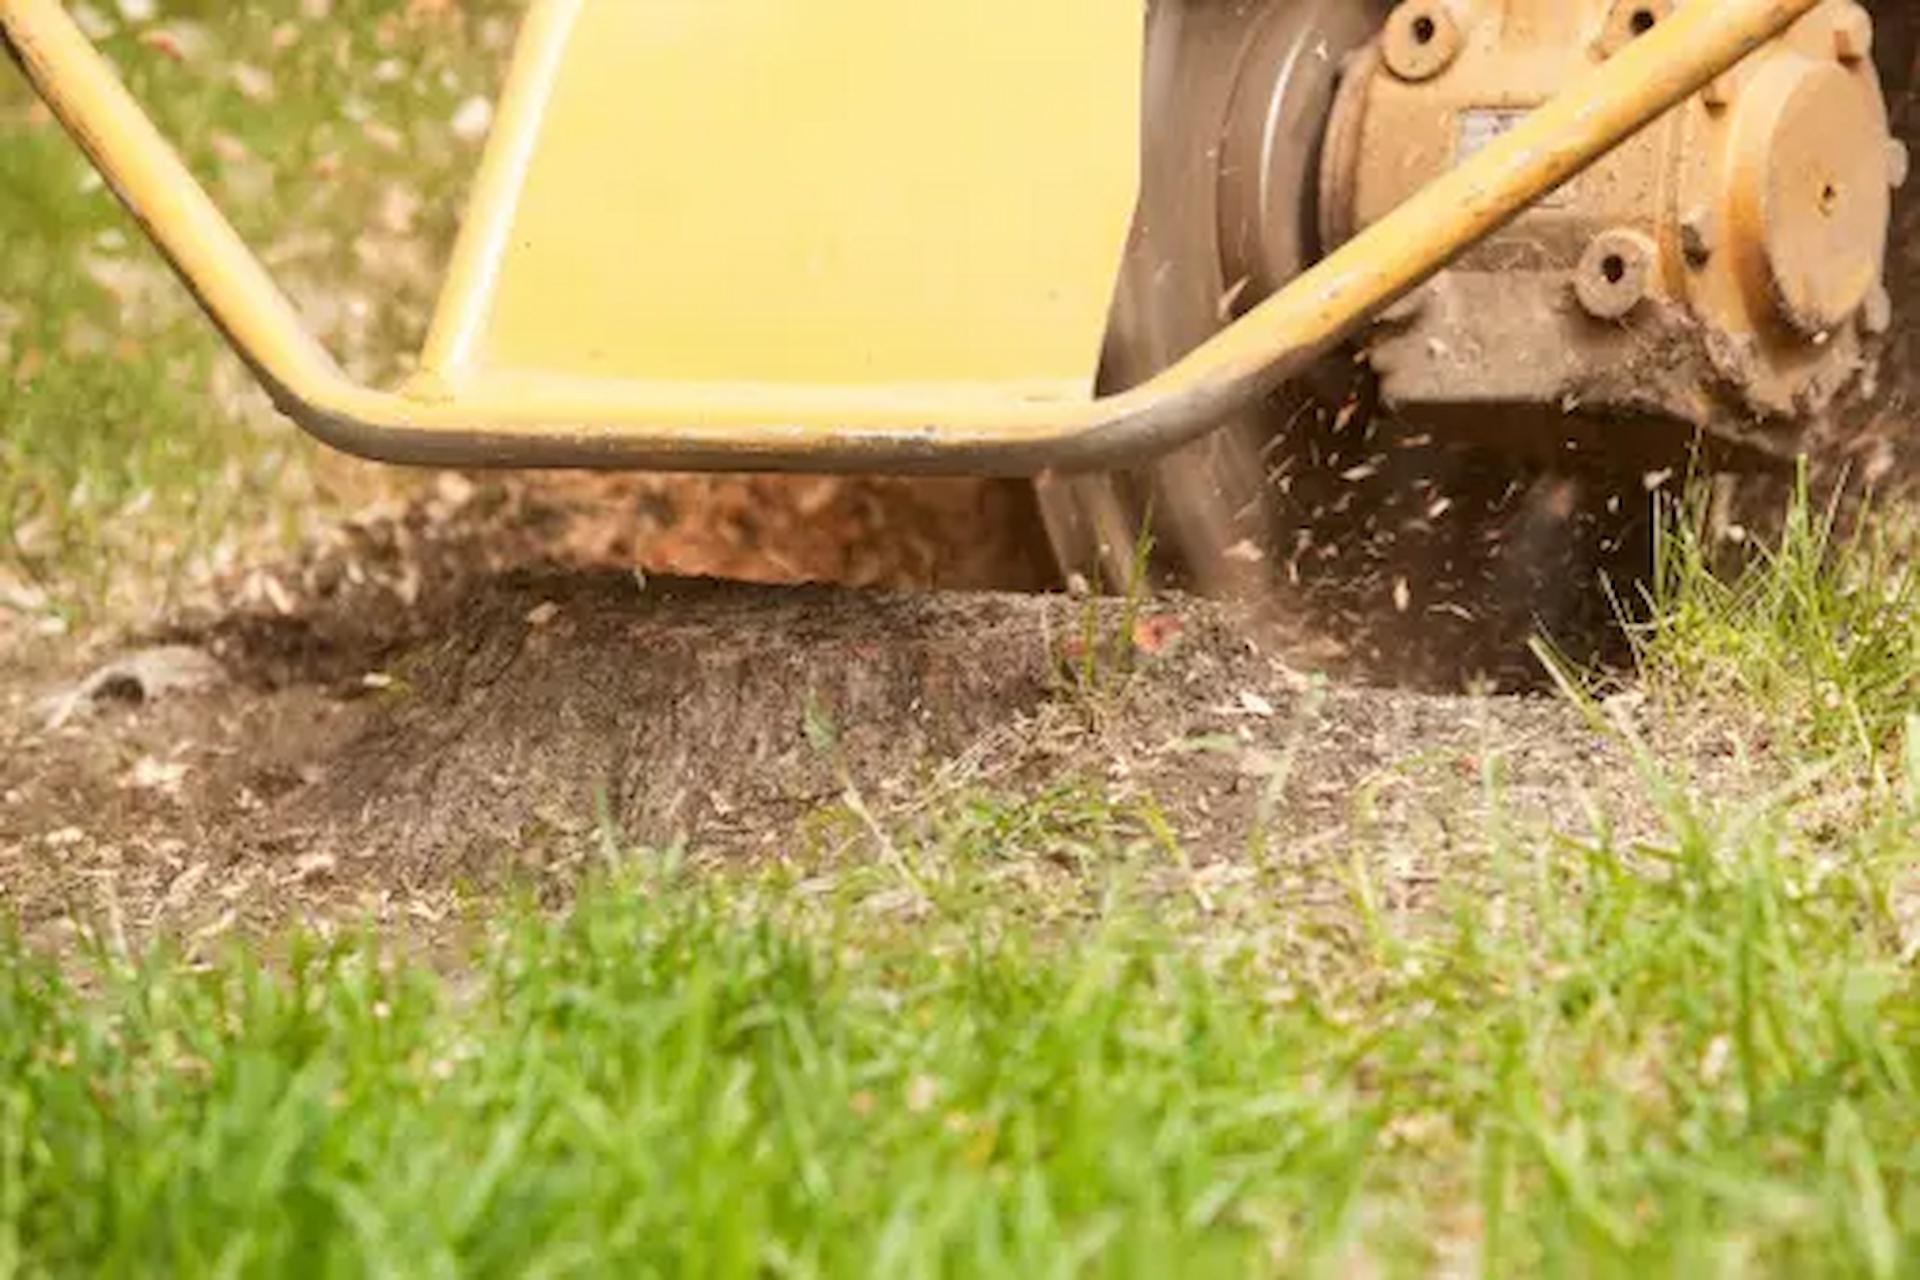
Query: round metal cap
point(1811, 191)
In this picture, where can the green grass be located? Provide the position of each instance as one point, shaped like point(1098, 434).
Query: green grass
point(127, 453)
point(1016, 1046)
point(1817, 630)
point(1001, 1032)
point(986, 1032)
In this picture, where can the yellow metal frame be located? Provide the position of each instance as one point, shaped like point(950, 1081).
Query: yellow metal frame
point(544, 420)
point(820, 192)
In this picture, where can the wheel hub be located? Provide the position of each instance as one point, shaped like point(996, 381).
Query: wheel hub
point(1810, 193)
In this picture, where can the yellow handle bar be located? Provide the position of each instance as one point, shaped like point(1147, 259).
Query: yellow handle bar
point(545, 421)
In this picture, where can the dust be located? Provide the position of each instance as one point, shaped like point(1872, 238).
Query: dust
point(1430, 564)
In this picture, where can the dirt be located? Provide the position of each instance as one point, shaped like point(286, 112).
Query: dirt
point(948, 534)
point(427, 712)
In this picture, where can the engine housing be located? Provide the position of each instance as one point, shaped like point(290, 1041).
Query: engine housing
point(1718, 277)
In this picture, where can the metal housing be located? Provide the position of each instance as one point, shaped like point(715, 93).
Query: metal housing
point(1719, 273)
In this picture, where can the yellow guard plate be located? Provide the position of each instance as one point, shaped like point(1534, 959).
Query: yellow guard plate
point(819, 192)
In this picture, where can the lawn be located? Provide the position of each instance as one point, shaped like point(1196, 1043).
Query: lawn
point(1007, 1048)
point(997, 1030)
point(137, 455)
point(1002, 1031)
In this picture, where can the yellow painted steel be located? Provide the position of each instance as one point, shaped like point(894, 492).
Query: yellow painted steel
point(834, 192)
point(568, 419)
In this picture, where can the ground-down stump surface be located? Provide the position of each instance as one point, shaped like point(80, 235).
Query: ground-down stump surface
point(355, 762)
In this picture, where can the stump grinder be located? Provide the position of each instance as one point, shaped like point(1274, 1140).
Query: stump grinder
point(1111, 245)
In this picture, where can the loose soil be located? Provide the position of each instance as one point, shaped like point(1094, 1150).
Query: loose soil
point(430, 711)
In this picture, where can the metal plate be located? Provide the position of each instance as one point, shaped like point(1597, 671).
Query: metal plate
point(841, 192)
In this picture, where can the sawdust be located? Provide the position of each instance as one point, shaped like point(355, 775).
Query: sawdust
point(428, 714)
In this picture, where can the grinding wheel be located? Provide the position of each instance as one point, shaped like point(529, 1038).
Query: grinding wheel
point(1237, 98)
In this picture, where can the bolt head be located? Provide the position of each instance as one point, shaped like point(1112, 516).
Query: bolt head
point(1629, 20)
point(1853, 34)
point(1615, 274)
point(1718, 93)
point(1899, 163)
point(1421, 39)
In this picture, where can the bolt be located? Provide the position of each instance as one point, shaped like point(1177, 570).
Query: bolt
point(1420, 41)
point(1853, 34)
point(1615, 274)
point(1628, 21)
point(1876, 314)
point(1718, 92)
point(1899, 163)
point(1697, 235)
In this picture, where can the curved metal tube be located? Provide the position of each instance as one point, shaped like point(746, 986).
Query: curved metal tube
point(574, 422)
